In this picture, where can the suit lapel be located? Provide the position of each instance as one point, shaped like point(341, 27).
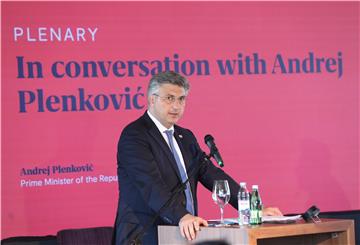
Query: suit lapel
point(179, 140)
point(155, 133)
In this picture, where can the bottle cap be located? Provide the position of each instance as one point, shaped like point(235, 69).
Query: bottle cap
point(255, 187)
point(242, 183)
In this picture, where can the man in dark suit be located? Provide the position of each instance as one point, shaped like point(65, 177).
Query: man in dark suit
point(154, 156)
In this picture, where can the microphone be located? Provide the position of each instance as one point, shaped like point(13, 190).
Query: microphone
point(209, 141)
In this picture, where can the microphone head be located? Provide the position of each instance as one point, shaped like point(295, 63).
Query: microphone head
point(208, 138)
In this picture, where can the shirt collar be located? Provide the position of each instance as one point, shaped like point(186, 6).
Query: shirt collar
point(158, 124)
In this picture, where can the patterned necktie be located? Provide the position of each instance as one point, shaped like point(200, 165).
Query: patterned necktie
point(188, 194)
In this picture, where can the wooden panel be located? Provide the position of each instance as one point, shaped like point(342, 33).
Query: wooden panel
point(328, 232)
point(313, 239)
point(171, 235)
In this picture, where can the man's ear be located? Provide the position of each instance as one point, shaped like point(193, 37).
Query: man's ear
point(151, 100)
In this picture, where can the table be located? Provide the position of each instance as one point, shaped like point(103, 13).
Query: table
point(329, 231)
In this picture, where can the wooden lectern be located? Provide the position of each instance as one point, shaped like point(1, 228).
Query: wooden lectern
point(329, 231)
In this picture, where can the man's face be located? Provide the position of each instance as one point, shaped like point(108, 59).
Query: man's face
point(168, 104)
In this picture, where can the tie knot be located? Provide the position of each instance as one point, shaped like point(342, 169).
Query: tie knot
point(169, 132)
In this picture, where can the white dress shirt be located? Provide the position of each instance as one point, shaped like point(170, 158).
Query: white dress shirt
point(162, 130)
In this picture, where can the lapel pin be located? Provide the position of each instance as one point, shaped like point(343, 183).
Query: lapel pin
point(180, 136)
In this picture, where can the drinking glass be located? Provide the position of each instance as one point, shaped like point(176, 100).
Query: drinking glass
point(221, 195)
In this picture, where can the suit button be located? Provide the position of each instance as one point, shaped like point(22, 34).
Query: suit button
point(183, 202)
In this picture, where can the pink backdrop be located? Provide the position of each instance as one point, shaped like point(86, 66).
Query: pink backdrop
point(296, 134)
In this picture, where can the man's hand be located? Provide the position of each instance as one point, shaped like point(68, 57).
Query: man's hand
point(190, 226)
point(271, 211)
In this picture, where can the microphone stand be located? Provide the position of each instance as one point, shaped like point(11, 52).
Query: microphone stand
point(179, 188)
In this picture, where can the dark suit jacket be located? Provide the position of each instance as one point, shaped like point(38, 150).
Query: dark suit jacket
point(147, 174)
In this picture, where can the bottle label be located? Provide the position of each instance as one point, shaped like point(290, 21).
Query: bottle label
point(244, 204)
point(260, 216)
point(244, 212)
point(255, 217)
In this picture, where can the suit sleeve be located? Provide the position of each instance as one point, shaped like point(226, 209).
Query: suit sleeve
point(136, 160)
point(208, 173)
